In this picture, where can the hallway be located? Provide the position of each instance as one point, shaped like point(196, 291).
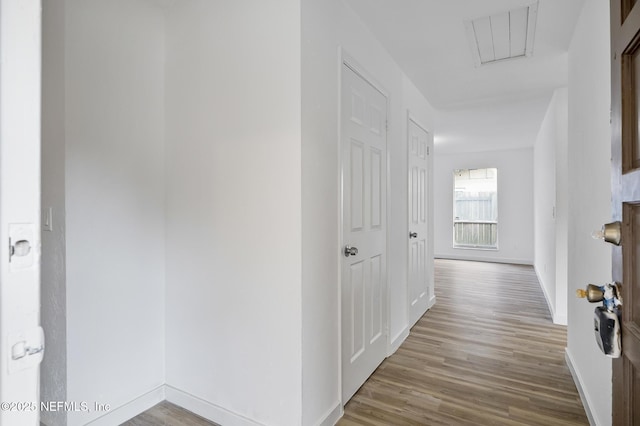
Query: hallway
point(486, 353)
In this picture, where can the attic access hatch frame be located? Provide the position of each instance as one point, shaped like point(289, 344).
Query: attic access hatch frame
point(502, 36)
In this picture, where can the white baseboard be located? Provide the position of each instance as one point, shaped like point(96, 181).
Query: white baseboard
point(206, 409)
point(552, 309)
point(194, 404)
point(557, 319)
point(131, 409)
point(584, 396)
point(432, 302)
point(485, 259)
point(560, 319)
point(332, 416)
point(398, 340)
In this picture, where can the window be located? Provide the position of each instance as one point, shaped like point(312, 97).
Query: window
point(475, 208)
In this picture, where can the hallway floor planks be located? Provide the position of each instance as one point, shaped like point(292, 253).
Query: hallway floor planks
point(487, 353)
point(168, 414)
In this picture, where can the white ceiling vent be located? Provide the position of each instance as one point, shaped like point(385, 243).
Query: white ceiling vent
point(503, 35)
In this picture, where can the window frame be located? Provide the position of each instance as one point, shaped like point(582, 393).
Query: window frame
point(456, 220)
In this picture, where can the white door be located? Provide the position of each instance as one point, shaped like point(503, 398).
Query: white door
point(364, 229)
point(419, 294)
point(21, 340)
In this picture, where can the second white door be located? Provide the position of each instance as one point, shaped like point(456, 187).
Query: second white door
point(419, 287)
point(364, 230)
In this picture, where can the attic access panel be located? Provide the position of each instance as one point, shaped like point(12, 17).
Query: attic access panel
point(502, 36)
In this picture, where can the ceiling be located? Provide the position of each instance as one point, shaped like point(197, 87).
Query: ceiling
point(499, 105)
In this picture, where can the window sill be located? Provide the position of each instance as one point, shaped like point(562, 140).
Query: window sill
point(476, 248)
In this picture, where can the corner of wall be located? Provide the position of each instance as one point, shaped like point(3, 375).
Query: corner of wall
point(332, 416)
point(552, 308)
point(585, 397)
point(205, 408)
point(53, 370)
point(131, 409)
point(589, 197)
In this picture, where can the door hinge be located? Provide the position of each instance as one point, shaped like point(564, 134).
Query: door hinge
point(22, 246)
point(26, 349)
point(427, 150)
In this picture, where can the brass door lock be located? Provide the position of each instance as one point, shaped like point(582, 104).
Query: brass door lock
point(610, 233)
point(606, 322)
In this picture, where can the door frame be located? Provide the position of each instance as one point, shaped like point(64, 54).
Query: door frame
point(20, 106)
point(346, 59)
point(429, 249)
point(624, 198)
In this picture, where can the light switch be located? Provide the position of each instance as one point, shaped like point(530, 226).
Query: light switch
point(47, 219)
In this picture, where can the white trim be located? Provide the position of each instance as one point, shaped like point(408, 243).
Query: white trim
point(195, 405)
point(398, 340)
point(485, 259)
point(560, 319)
point(131, 409)
point(332, 416)
point(557, 319)
point(432, 302)
point(387, 197)
point(584, 396)
point(412, 117)
point(404, 333)
point(354, 65)
point(340, 215)
point(552, 308)
point(532, 20)
point(341, 65)
point(20, 191)
point(206, 409)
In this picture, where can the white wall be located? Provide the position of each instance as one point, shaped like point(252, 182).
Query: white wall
point(113, 102)
point(589, 202)
point(233, 264)
point(53, 372)
point(218, 183)
point(326, 26)
point(552, 138)
point(515, 204)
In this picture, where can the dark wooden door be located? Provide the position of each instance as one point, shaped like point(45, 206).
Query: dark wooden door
point(625, 185)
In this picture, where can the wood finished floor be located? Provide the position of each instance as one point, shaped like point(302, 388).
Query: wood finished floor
point(168, 414)
point(487, 353)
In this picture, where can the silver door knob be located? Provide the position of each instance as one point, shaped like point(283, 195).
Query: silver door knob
point(350, 251)
point(413, 235)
